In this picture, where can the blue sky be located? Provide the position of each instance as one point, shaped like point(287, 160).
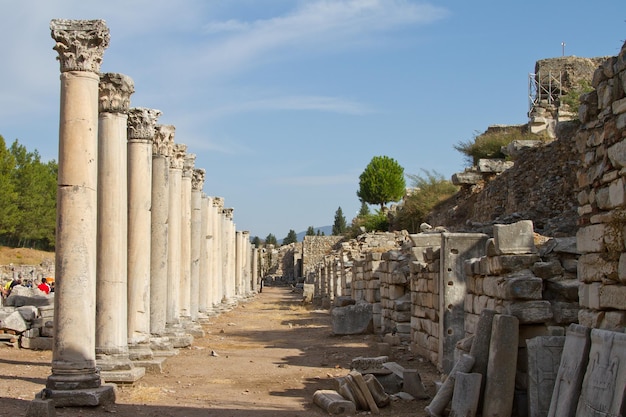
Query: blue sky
point(285, 102)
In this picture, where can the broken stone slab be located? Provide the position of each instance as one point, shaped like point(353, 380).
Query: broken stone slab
point(29, 313)
point(603, 392)
point(444, 393)
point(544, 358)
point(467, 178)
point(494, 165)
point(354, 319)
point(23, 296)
point(370, 365)
point(14, 322)
point(360, 382)
point(376, 389)
point(502, 366)
point(308, 292)
point(480, 347)
point(333, 403)
point(40, 408)
point(466, 395)
point(412, 384)
point(536, 311)
point(515, 238)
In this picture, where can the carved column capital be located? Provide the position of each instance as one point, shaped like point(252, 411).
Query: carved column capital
point(141, 123)
point(80, 43)
point(228, 212)
point(177, 157)
point(163, 140)
point(188, 164)
point(197, 180)
point(218, 202)
point(115, 91)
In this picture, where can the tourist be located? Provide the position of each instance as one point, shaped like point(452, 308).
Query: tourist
point(6, 290)
point(44, 286)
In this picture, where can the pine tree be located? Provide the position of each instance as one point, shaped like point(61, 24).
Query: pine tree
point(339, 226)
point(310, 231)
point(381, 182)
point(292, 237)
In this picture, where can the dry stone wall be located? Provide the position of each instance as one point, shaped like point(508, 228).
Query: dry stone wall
point(602, 198)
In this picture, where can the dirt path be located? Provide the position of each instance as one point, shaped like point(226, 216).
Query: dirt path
point(273, 353)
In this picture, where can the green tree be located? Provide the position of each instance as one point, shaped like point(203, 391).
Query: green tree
point(381, 182)
point(339, 226)
point(319, 232)
point(271, 240)
point(37, 203)
point(364, 210)
point(310, 231)
point(256, 241)
point(9, 197)
point(292, 237)
point(428, 190)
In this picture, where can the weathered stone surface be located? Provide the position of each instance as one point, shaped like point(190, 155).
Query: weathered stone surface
point(569, 377)
point(14, 321)
point(494, 165)
point(354, 319)
point(445, 392)
point(333, 403)
point(516, 238)
point(603, 392)
point(501, 370)
point(530, 311)
point(413, 384)
point(544, 358)
point(40, 408)
point(466, 395)
point(521, 285)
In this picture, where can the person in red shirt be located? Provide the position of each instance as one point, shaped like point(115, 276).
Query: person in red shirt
point(44, 286)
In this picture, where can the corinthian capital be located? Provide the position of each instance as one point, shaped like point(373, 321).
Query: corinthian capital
point(141, 123)
point(115, 92)
point(228, 213)
point(188, 164)
point(163, 140)
point(197, 180)
point(177, 158)
point(218, 202)
point(80, 43)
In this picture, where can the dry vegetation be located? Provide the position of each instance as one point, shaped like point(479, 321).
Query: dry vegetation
point(23, 256)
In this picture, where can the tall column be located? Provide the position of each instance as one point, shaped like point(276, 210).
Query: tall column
point(174, 330)
point(111, 283)
point(229, 255)
point(197, 182)
point(245, 237)
point(185, 236)
point(239, 251)
point(203, 268)
point(161, 150)
point(75, 380)
point(255, 269)
point(174, 233)
point(141, 130)
point(217, 253)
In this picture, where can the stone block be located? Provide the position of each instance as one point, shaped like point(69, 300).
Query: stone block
point(516, 238)
point(566, 289)
point(603, 392)
point(412, 384)
point(36, 343)
point(41, 408)
point(547, 270)
point(14, 322)
point(589, 295)
point(354, 319)
point(29, 313)
point(612, 297)
point(466, 394)
point(544, 358)
point(593, 267)
point(565, 313)
point(590, 238)
point(530, 311)
point(614, 321)
point(501, 264)
point(501, 369)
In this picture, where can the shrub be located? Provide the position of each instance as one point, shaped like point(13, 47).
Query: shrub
point(488, 145)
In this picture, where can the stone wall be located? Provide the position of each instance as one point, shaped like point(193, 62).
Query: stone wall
point(602, 198)
point(314, 248)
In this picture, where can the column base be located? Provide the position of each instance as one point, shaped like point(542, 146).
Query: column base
point(178, 336)
point(87, 397)
point(153, 365)
point(123, 376)
point(162, 347)
point(140, 352)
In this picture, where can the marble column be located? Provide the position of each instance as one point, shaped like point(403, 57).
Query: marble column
point(174, 329)
point(111, 275)
point(185, 237)
point(217, 253)
point(161, 150)
point(239, 254)
point(229, 270)
point(75, 380)
point(203, 267)
point(197, 182)
point(255, 269)
point(247, 286)
point(141, 131)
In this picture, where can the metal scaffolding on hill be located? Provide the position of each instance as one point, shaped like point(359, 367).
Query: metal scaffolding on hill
point(544, 88)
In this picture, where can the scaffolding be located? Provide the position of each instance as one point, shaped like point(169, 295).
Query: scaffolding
point(544, 88)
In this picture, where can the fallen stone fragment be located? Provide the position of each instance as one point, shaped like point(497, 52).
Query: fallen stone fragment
point(444, 394)
point(358, 378)
point(333, 403)
point(376, 389)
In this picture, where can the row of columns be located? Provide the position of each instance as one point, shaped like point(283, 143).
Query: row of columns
point(142, 254)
